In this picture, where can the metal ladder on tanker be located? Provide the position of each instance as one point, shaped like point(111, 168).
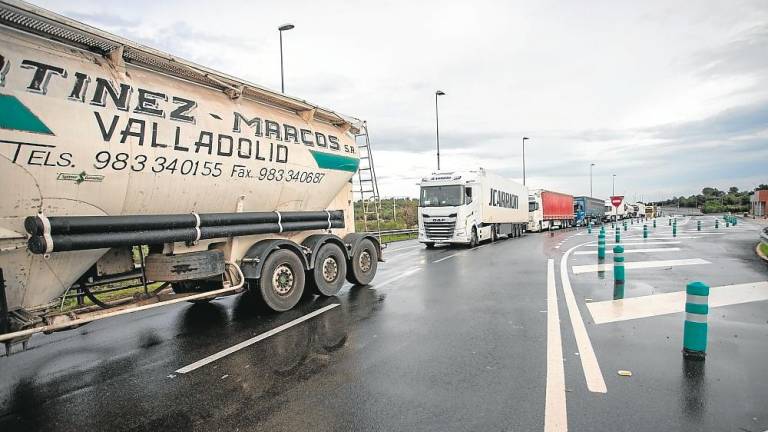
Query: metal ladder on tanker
point(367, 188)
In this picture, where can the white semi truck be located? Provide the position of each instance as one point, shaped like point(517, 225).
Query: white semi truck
point(467, 207)
point(111, 149)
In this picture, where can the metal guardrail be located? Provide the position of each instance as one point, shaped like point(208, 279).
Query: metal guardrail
point(385, 233)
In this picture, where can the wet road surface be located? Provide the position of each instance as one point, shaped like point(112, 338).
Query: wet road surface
point(445, 339)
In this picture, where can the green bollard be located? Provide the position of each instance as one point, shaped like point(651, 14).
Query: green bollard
point(589, 228)
point(734, 221)
point(625, 226)
point(669, 221)
point(727, 224)
point(618, 236)
point(645, 231)
point(674, 230)
point(698, 225)
point(717, 224)
point(654, 223)
point(695, 327)
point(601, 246)
point(618, 264)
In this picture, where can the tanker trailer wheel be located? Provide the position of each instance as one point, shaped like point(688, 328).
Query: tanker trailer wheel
point(281, 283)
point(327, 276)
point(363, 264)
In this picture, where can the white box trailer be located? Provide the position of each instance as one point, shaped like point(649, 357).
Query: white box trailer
point(110, 147)
point(467, 207)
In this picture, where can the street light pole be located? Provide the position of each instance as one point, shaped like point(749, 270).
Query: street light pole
point(524, 138)
point(281, 29)
point(590, 179)
point(613, 185)
point(437, 126)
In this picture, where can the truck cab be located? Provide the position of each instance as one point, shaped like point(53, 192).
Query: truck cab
point(449, 211)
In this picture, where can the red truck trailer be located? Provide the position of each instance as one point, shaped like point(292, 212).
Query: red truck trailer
point(549, 210)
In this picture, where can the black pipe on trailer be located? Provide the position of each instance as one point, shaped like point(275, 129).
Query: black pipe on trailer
point(36, 225)
point(70, 242)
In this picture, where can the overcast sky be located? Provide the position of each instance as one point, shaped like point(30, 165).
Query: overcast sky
point(668, 95)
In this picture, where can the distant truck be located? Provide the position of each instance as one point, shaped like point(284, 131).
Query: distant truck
point(588, 209)
point(613, 213)
point(549, 210)
point(650, 211)
point(467, 207)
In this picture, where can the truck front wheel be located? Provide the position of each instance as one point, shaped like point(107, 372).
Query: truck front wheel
point(473, 238)
point(281, 283)
point(329, 270)
point(364, 262)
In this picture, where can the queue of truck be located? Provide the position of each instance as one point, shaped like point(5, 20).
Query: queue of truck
point(468, 207)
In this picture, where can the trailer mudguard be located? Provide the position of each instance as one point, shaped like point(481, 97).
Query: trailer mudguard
point(314, 242)
point(256, 254)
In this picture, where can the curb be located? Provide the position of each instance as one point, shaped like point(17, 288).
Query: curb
point(760, 253)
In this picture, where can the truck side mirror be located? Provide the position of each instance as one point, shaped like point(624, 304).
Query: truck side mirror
point(468, 195)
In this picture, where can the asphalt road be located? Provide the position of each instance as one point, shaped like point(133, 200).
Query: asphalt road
point(445, 339)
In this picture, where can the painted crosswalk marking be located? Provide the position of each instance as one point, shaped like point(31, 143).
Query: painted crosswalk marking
point(630, 251)
point(667, 303)
point(639, 243)
point(638, 265)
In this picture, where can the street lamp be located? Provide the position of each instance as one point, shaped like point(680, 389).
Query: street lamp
point(281, 29)
point(613, 185)
point(524, 138)
point(590, 179)
point(437, 126)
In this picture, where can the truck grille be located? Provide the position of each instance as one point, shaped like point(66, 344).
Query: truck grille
point(439, 230)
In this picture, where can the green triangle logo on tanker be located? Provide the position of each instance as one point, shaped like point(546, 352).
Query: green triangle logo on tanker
point(14, 115)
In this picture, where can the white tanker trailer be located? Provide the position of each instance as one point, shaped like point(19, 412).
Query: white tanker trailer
point(108, 147)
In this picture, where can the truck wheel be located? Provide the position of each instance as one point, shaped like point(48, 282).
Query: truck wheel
point(429, 245)
point(365, 260)
point(327, 276)
point(493, 234)
point(473, 238)
point(281, 282)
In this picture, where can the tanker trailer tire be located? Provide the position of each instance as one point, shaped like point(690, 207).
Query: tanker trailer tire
point(364, 263)
point(281, 283)
point(327, 276)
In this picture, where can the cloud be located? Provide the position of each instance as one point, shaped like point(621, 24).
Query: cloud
point(746, 55)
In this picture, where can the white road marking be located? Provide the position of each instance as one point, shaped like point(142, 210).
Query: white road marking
point(400, 276)
point(445, 258)
point(639, 243)
point(629, 251)
point(667, 303)
point(638, 265)
point(246, 343)
point(555, 414)
point(592, 373)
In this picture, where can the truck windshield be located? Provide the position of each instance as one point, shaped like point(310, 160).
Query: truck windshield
point(439, 196)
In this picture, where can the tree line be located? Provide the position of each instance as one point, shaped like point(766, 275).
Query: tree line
point(713, 200)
